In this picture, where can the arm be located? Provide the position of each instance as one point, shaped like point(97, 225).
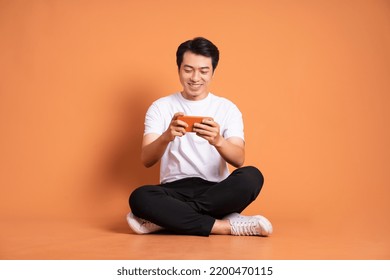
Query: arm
point(232, 149)
point(154, 145)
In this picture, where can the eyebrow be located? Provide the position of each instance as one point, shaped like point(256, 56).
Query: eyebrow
point(203, 68)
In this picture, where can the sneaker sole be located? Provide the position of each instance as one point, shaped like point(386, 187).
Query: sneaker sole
point(266, 226)
point(133, 223)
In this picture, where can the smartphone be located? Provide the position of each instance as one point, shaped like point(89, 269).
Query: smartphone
point(190, 120)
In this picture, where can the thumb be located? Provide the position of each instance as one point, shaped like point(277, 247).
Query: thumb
point(176, 115)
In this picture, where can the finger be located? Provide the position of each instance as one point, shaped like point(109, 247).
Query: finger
point(176, 115)
point(210, 124)
point(179, 124)
point(205, 127)
point(180, 130)
point(209, 121)
point(205, 137)
point(205, 133)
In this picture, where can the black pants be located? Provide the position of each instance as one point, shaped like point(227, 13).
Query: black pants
point(191, 205)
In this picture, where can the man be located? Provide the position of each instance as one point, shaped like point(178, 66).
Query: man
point(196, 194)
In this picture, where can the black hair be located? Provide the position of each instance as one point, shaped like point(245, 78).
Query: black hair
point(200, 46)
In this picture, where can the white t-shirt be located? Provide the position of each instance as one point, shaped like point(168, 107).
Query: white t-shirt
point(191, 155)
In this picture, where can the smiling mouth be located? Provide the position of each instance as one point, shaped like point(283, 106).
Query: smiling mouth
point(195, 85)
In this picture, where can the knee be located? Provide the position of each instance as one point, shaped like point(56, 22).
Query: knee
point(253, 178)
point(255, 174)
point(138, 198)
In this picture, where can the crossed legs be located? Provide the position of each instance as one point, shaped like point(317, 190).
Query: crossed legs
point(195, 206)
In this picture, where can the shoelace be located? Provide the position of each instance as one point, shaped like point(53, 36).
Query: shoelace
point(149, 225)
point(145, 223)
point(245, 227)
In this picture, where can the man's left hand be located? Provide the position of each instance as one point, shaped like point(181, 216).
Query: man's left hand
point(209, 130)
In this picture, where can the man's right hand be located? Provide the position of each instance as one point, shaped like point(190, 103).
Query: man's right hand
point(176, 128)
point(154, 145)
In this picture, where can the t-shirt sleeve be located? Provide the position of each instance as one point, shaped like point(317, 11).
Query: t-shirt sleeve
point(234, 126)
point(154, 121)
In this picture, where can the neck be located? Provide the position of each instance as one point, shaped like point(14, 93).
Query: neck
point(194, 97)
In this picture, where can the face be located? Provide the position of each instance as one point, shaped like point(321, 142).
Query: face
point(195, 73)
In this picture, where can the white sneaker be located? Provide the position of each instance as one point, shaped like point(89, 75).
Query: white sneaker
point(249, 225)
point(141, 226)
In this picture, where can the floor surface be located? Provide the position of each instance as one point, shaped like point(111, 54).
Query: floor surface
point(299, 240)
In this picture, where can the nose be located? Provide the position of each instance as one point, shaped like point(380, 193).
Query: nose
point(195, 76)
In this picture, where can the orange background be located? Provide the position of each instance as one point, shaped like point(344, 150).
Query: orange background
point(311, 78)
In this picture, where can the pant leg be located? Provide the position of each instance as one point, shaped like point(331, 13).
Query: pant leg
point(190, 206)
point(166, 205)
point(233, 194)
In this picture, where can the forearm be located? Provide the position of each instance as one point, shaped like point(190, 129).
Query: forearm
point(232, 152)
point(154, 145)
point(152, 152)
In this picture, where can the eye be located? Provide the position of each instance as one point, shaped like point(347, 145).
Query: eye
point(204, 72)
